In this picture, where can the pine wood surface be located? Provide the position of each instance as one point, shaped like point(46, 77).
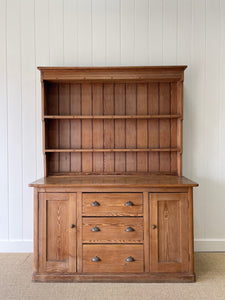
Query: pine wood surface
point(93, 126)
point(114, 181)
point(113, 205)
point(113, 258)
point(113, 230)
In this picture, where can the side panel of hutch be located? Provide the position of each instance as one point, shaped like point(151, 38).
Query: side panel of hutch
point(113, 205)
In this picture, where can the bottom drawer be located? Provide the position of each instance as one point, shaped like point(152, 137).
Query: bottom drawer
point(112, 258)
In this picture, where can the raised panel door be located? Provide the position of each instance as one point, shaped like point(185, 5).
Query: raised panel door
point(57, 232)
point(169, 232)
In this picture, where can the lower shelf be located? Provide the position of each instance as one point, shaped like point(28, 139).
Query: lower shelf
point(116, 277)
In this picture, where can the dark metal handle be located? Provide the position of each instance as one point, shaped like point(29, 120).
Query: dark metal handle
point(130, 259)
point(153, 226)
point(72, 226)
point(129, 229)
point(129, 203)
point(95, 229)
point(95, 203)
point(95, 259)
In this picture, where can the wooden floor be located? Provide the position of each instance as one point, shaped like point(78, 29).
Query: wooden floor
point(16, 270)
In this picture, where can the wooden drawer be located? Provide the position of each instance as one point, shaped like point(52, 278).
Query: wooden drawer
point(113, 230)
point(112, 258)
point(112, 204)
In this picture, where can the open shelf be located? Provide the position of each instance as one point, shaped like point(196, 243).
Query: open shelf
point(69, 117)
point(111, 128)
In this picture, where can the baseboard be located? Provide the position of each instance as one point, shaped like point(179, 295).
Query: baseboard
point(205, 245)
point(209, 245)
point(16, 246)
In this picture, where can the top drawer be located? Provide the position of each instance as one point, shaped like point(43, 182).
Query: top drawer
point(112, 204)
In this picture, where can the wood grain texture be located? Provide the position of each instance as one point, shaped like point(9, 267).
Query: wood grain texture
point(112, 204)
point(113, 230)
point(87, 121)
point(79, 233)
point(57, 240)
point(169, 238)
point(118, 277)
point(126, 181)
point(113, 258)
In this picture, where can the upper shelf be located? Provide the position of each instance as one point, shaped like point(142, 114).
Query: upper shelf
point(175, 116)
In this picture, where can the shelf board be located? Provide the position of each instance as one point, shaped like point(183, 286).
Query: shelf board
point(116, 150)
point(174, 116)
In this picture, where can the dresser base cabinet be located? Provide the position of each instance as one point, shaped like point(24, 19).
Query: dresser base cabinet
point(118, 234)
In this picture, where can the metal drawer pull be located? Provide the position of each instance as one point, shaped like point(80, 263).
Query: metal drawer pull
point(129, 203)
point(95, 259)
point(153, 226)
point(95, 229)
point(72, 226)
point(130, 259)
point(129, 229)
point(95, 203)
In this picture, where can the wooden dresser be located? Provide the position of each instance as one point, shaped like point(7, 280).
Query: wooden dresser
point(113, 205)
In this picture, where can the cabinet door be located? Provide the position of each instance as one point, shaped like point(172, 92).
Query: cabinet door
point(168, 232)
point(57, 232)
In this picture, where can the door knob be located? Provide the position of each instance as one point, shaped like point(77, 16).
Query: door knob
point(153, 226)
point(72, 226)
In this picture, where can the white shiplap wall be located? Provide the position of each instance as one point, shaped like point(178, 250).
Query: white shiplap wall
point(116, 32)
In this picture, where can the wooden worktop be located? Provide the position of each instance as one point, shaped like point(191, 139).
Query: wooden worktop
point(115, 181)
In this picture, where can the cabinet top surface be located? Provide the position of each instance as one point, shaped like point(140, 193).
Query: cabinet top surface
point(114, 181)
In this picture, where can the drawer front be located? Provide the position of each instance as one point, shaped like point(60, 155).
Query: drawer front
point(112, 204)
point(112, 258)
point(113, 230)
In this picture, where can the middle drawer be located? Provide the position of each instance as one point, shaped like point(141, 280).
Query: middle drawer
point(113, 230)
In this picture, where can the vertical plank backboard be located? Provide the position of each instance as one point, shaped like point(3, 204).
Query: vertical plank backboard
point(153, 126)
point(131, 126)
point(75, 108)
point(64, 127)
point(142, 129)
point(120, 108)
point(98, 127)
point(164, 126)
point(86, 127)
point(173, 128)
point(109, 127)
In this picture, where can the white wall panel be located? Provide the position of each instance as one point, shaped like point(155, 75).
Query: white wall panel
point(127, 32)
point(15, 154)
point(113, 33)
point(156, 32)
point(42, 58)
point(141, 53)
point(56, 32)
point(28, 111)
point(70, 33)
point(101, 32)
point(3, 126)
point(85, 37)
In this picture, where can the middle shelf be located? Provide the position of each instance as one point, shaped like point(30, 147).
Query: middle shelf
point(117, 150)
point(111, 117)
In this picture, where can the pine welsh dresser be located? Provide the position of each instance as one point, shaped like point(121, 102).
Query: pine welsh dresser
point(113, 205)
